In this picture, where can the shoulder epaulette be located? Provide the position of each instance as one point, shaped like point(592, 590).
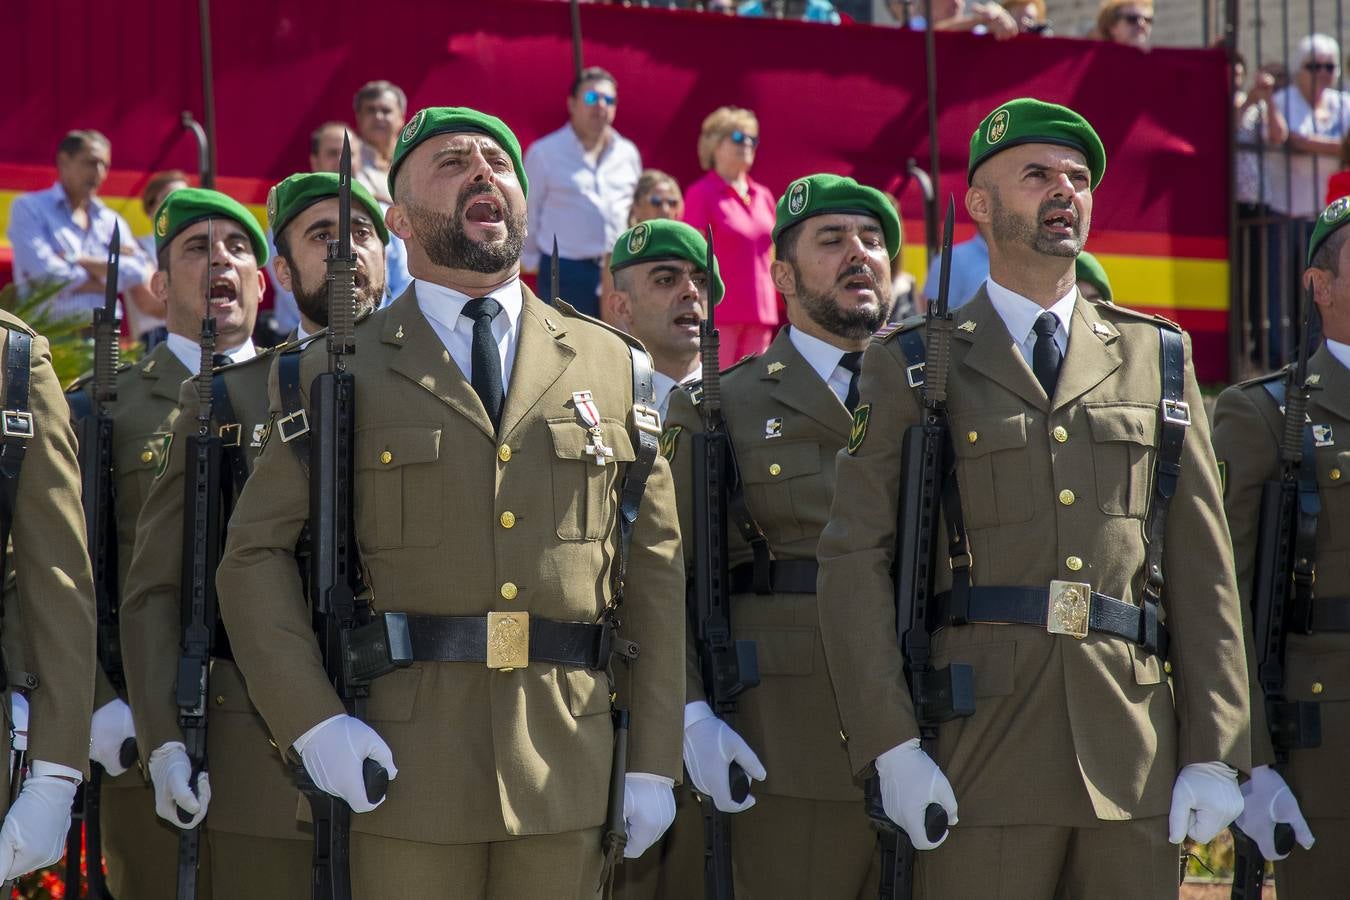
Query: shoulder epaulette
point(1136, 314)
point(891, 329)
point(1277, 375)
point(9, 320)
point(571, 312)
point(744, 360)
point(83, 381)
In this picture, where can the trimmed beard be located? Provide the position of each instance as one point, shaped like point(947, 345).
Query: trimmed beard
point(446, 244)
point(853, 324)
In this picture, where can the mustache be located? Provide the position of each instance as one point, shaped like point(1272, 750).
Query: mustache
point(855, 271)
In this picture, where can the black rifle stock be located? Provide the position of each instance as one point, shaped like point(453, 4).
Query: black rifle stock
point(937, 696)
point(334, 581)
point(729, 667)
point(1285, 523)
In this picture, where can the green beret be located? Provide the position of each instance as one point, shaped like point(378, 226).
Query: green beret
point(818, 195)
point(187, 206)
point(1028, 121)
point(1332, 218)
point(658, 239)
point(1087, 268)
point(295, 194)
point(435, 120)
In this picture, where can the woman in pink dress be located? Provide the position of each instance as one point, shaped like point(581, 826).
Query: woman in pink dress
point(741, 213)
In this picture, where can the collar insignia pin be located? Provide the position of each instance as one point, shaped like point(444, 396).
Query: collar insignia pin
point(773, 428)
point(775, 367)
point(967, 326)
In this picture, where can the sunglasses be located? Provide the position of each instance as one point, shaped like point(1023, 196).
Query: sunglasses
point(593, 97)
point(1138, 20)
point(663, 202)
point(1320, 66)
point(745, 140)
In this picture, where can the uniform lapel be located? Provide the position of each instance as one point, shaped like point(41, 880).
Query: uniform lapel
point(992, 352)
point(541, 356)
point(1331, 391)
point(165, 372)
point(1094, 353)
point(419, 356)
point(800, 387)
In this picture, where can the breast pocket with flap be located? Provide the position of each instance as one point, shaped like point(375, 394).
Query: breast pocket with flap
point(399, 486)
point(993, 468)
point(583, 490)
point(776, 478)
point(1124, 436)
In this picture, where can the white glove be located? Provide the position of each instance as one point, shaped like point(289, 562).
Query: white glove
point(1266, 802)
point(910, 780)
point(335, 752)
point(648, 810)
point(1205, 800)
point(110, 728)
point(34, 833)
point(710, 747)
point(170, 769)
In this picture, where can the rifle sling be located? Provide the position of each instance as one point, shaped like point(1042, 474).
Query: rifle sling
point(1301, 614)
point(1175, 420)
point(785, 576)
point(16, 428)
point(647, 447)
point(293, 425)
point(231, 439)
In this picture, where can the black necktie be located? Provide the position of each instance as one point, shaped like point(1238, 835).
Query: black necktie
point(853, 362)
point(484, 361)
point(1045, 356)
point(220, 359)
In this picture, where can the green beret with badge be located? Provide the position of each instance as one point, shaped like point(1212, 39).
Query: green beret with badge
point(1331, 219)
point(434, 120)
point(819, 195)
point(295, 194)
point(658, 239)
point(188, 206)
point(1029, 121)
point(1088, 268)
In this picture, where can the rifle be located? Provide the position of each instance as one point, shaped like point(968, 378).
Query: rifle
point(202, 527)
point(938, 696)
point(334, 581)
point(1284, 561)
point(729, 667)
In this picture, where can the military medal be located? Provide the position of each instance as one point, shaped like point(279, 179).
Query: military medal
point(590, 417)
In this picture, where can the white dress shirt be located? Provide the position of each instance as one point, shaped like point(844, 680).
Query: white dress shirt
point(1341, 352)
point(1020, 314)
point(443, 309)
point(189, 352)
point(665, 386)
point(824, 359)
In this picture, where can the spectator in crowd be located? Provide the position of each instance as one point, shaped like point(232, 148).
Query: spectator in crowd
point(1260, 127)
point(1125, 22)
point(1318, 117)
point(741, 212)
point(381, 107)
point(970, 269)
point(581, 178)
point(148, 325)
point(723, 7)
point(1029, 16)
point(61, 234)
point(806, 10)
point(657, 196)
point(1091, 276)
point(956, 15)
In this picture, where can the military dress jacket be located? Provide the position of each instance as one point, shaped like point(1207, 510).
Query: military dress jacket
point(1247, 428)
point(55, 595)
point(787, 427)
point(253, 790)
point(454, 518)
point(1065, 731)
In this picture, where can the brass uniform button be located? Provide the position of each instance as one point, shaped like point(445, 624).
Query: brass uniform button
point(504, 453)
point(386, 457)
point(1060, 434)
point(1317, 687)
point(1066, 497)
point(509, 591)
point(1073, 563)
point(220, 699)
point(972, 436)
point(775, 469)
point(147, 456)
point(508, 519)
point(1167, 667)
point(1335, 474)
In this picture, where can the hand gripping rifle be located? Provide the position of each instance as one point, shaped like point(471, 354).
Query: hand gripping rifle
point(926, 465)
point(1285, 563)
point(202, 530)
point(729, 667)
point(334, 580)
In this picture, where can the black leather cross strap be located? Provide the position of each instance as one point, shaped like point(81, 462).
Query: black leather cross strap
point(1027, 606)
point(292, 426)
point(786, 576)
point(1175, 420)
point(16, 428)
point(1298, 613)
point(646, 447)
point(230, 430)
point(464, 639)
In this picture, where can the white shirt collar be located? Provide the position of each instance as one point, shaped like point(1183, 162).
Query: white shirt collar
point(445, 305)
point(822, 357)
point(1019, 313)
point(1340, 351)
point(189, 352)
point(664, 386)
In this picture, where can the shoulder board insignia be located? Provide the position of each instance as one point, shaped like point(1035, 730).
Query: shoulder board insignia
point(669, 440)
point(9, 320)
point(1107, 307)
point(566, 309)
point(749, 357)
point(889, 331)
point(1277, 375)
point(1166, 321)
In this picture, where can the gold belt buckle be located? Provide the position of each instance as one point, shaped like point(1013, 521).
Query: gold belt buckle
point(508, 640)
point(1067, 612)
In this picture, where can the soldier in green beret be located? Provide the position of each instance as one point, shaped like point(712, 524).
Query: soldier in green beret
point(1091, 277)
point(1248, 427)
point(1076, 430)
point(257, 847)
point(496, 439)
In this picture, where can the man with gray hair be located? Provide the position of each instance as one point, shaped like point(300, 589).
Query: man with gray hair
point(381, 108)
point(1318, 116)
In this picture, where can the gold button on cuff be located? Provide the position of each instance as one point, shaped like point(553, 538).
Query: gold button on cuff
point(1060, 434)
point(1317, 687)
point(775, 469)
point(508, 519)
point(1167, 667)
point(147, 456)
point(386, 457)
point(1066, 497)
point(504, 453)
point(509, 591)
point(972, 436)
point(1073, 563)
point(1335, 474)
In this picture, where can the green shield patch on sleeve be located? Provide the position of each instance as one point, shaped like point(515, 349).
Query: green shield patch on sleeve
point(861, 416)
point(669, 438)
point(167, 442)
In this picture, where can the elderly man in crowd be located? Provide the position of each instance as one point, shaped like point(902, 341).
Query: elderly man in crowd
point(381, 108)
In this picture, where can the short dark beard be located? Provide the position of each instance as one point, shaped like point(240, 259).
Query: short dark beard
point(851, 324)
point(313, 304)
point(446, 244)
point(1008, 228)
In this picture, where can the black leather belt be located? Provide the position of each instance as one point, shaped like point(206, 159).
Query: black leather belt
point(1027, 606)
point(786, 576)
point(1330, 614)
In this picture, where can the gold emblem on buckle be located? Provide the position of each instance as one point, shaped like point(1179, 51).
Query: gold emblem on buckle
point(508, 640)
point(1068, 608)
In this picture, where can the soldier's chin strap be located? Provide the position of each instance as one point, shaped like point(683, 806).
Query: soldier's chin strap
point(16, 429)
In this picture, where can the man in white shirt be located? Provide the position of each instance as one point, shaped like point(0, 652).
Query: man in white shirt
point(582, 179)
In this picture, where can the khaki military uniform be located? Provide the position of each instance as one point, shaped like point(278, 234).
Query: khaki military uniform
point(1247, 429)
point(1064, 773)
point(454, 518)
point(807, 835)
point(257, 848)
